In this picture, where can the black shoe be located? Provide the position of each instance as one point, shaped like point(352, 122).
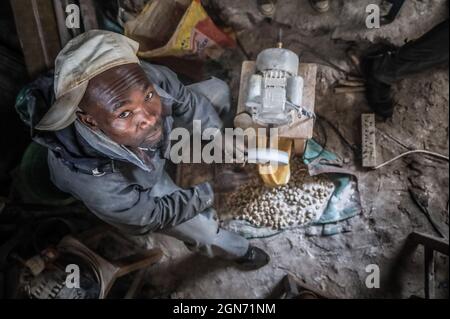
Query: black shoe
point(379, 97)
point(378, 94)
point(255, 258)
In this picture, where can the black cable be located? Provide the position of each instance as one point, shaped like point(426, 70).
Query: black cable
point(353, 147)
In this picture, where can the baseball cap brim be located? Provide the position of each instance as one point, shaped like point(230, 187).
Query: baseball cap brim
point(63, 112)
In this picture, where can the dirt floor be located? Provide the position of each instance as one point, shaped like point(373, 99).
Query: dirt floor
point(336, 264)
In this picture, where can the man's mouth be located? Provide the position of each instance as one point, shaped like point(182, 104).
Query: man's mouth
point(153, 137)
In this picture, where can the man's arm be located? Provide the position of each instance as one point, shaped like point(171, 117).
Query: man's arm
point(136, 207)
point(114, 199)
point(188, 105)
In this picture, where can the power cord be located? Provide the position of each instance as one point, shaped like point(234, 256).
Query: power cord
point(437, 155)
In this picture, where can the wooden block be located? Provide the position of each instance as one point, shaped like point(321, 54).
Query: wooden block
point(299, 146)
point(300, 129)
point(248, 68)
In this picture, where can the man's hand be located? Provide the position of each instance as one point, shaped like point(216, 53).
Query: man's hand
point(234, 150)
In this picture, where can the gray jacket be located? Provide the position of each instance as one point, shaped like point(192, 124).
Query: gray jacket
point(117, 185)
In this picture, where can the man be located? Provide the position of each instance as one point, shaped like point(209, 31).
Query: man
point(107, 134)
point(383, 68)
point(268, 7)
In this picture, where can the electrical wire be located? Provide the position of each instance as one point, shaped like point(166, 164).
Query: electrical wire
point(301, 111)
point(443, 157)
point(356, 150)
point(312, 51)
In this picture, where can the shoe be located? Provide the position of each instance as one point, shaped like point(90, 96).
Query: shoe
point(379, 97)
point(320, 5)
point(267, 7)
point(378, 93)
point(255, 258)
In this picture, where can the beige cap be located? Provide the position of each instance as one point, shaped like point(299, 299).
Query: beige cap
point(83, 58)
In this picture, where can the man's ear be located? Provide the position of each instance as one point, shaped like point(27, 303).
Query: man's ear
point(87, 120)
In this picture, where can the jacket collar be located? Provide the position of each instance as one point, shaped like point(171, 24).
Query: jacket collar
point(103, 144)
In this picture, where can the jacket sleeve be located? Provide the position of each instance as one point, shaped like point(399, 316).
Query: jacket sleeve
point(117, 201)
point(188, 105)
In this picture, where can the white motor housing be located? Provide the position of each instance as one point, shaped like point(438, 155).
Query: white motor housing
point(275, 91)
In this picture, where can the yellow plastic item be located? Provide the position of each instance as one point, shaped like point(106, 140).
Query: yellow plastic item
point(277, 175)
point(177, 28)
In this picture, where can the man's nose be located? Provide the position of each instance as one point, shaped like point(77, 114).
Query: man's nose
point(147, 119)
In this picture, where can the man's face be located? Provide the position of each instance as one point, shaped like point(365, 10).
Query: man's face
point(123, 104)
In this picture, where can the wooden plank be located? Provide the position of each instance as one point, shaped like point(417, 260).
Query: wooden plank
point(300, 129)
point(299, 146)
point(38, 33)
point(248, 68)
point(88, 15)
point(60, 15)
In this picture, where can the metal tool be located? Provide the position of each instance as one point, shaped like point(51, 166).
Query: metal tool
point(266, 156)
point(431, 245)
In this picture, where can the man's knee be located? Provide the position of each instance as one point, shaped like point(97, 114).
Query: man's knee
point(216, 91)
point(200, 230)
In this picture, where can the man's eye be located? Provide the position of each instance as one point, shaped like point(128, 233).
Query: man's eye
point(148, 97)
point(124, 115)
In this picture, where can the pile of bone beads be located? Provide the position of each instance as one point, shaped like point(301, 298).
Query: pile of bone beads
point(295, 204)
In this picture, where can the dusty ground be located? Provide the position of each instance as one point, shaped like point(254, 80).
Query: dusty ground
point(337, 264)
